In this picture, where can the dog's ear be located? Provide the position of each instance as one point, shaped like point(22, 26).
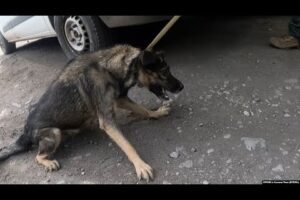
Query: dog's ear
point(147, 58)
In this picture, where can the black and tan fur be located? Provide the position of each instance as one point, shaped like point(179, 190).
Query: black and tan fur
point(91, 88)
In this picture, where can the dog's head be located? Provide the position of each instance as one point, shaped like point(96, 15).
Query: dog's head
point(156, 76)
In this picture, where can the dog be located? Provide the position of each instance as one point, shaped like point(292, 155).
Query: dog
point(91, 87)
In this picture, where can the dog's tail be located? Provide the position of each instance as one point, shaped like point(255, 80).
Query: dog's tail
point(22, 144)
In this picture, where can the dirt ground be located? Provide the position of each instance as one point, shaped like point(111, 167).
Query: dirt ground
point(236, 122)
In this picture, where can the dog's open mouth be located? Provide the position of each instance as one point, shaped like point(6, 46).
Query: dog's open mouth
point(159, 92)
point(165, 95)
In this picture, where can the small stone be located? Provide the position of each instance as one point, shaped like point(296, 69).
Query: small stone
point(261, 167)
point(286, 110)
point(277, 177)
point(286, 115)
point(226, 83)
point(227, 136)
point(193, 149)
point(28, 102)
point(204, 109)
point(246, 113)
point(284, 152)
point(295, 161)
point(4, 113)
point(269, 160)
point(82, 173)
point(291, 81)
point(177, 173)
point(201, 124)
point(70, 174)
point(210, 151)
point(228, 161)
point(186, 164)
point(200, 161)
point(178, 149)
point(251, 143)
point(77, 158)
point(16, 105)
point(205, 182)
point(174, 154)
point(278, 168)
point(88, 182)
point(208, 96)
point(61, 182)
point(288, 87)
point(244, 85)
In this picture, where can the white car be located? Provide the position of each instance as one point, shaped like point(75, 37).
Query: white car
point(76, 34)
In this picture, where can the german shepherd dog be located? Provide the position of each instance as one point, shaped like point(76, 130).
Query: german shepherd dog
point(92, 87)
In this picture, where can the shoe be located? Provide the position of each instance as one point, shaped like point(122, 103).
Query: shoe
point(284, 42)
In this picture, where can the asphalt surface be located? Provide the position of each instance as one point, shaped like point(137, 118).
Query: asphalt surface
point(236, 121)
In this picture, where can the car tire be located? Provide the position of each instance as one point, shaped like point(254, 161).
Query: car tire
point(81, 34)
point(7, 47)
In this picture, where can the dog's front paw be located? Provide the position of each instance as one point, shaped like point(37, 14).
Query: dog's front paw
point(143, 171)
point(161, 112)
point(50, 165)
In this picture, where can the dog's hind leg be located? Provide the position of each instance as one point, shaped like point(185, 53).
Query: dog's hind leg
point(50, 138)
point(140, 110)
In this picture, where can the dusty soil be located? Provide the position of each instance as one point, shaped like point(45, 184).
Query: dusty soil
point(237, 121)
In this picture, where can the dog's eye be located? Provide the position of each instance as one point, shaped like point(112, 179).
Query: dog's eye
point(164, 72)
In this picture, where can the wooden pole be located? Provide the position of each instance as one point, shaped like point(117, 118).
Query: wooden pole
point(163, 32)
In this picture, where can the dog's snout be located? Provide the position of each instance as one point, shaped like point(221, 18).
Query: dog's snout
point(181, 86)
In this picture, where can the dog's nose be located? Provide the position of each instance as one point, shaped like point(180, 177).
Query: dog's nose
point(181, 86)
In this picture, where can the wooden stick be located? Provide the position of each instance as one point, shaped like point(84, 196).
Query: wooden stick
point(162, 32)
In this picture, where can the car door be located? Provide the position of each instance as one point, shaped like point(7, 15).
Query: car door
point(17, 28)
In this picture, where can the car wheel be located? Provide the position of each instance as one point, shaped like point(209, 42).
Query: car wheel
point(7, 47)
point(81, 34)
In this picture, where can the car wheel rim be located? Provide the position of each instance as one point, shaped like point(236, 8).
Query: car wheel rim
point(76, 34)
